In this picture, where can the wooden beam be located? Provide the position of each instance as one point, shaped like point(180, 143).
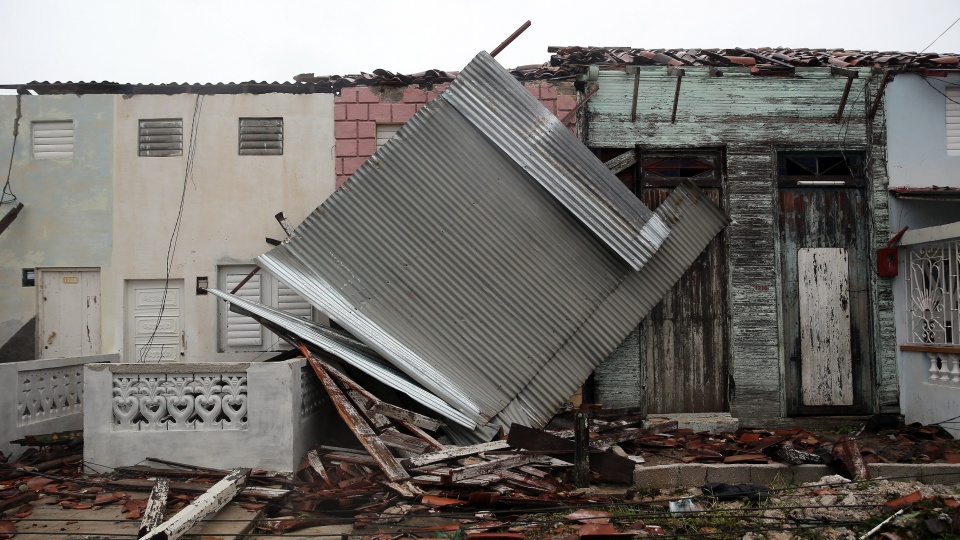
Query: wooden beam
point(636, 92)
point(676, 98)
point(621, 162)
point(843, 100)
point(581, 449)
point(876, 99)
point(375, 447)
point(156, 507)
point(209, 503)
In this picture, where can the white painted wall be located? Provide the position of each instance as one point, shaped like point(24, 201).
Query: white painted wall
point(917, 134)
point(229, 203)
point(917, 157)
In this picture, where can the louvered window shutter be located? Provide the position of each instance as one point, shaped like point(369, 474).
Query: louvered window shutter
point(385, 132)
point(53, 140)
point(261, 136)
point(290, 302)
point(953, 121)
point(161, 138)
point(243, 331)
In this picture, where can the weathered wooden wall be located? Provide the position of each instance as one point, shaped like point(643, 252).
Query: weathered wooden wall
point(752, 118)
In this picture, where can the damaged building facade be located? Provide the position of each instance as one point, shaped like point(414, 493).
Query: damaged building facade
point(783, 316)
point(135, 197)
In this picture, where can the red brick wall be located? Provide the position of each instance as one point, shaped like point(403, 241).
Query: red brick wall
point(358, 110)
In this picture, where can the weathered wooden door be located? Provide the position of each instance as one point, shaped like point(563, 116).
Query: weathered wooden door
point(153, 323)
point(685, 339)
point(825, 270)
point(69, 313)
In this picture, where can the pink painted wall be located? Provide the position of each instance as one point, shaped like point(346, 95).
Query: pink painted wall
point(358, 110)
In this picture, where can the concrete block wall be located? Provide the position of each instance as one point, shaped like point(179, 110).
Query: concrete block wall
point(281, 419)
point(42, 396)
point(358, 110)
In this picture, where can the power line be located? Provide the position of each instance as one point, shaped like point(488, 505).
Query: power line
point(7, 197)
point(940, 36)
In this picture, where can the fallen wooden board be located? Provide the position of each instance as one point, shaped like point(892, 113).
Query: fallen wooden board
point(156, 507)
point(388, 463)
point(208, 503)
point(454, 452)
point(314, 459)
point(496, 466)
point(198, 487)
point(397, 413)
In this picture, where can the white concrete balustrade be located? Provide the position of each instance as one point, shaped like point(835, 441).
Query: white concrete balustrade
point(222, 415)
point(944, 368)
point(42, 396)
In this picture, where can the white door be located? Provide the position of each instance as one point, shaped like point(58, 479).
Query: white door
point(153, 325)
point(69, 313)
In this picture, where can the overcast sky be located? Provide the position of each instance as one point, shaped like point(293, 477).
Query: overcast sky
point(163, 41)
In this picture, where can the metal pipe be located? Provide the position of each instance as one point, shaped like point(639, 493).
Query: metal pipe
point(566, 117)
point(245, 280)
point(510, 39)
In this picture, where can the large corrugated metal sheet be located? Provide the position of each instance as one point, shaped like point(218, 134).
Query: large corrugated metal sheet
point(487, 254)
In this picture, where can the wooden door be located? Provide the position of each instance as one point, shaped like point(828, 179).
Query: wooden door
point(154, 321)
point(685, 339)
point(825, 269)
point(69, 313)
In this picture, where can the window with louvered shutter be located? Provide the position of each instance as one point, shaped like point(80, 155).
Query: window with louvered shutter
point(261, 136)
point(161, 137)
point(953, 121)
point(239, 333)
point(53, 140)
point(243, 331)
point(385, 132)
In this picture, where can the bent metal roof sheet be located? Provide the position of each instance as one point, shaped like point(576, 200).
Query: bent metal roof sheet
point(488, 255)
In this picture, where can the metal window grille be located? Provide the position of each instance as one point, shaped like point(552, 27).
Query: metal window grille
point(933, 284)
point(161, 137)
point(53, 140)
point(261, 136)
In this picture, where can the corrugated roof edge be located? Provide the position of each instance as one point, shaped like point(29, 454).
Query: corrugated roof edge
point(371, 366)
point(563, 165)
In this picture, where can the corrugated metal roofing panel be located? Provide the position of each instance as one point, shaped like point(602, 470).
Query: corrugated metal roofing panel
point(516, 122)
point(449, 256)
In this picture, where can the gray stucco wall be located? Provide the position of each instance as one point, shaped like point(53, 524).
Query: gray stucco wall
point(66, 219)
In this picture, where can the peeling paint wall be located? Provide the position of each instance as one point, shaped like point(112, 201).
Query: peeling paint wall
point(752, 118)
point(67, 216)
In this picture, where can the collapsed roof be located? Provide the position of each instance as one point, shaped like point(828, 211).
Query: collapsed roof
point(486, 254)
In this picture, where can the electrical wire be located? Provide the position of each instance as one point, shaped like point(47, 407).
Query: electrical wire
point(7, 196)
point(940, 36)
point(174, 236)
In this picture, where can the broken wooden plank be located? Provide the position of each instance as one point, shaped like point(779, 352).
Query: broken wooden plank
point(388, 463)
point(527, 482)
point(423, 435)
point(208, 503)
point(156, 507)
point(313, 458)
point(350, 457)
point(436, 480)
point(365, 405)
point(486, 467)
point(455, 452)
point(410, 417)
point(405, 489)
point(401, 441)
point(622, 162)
